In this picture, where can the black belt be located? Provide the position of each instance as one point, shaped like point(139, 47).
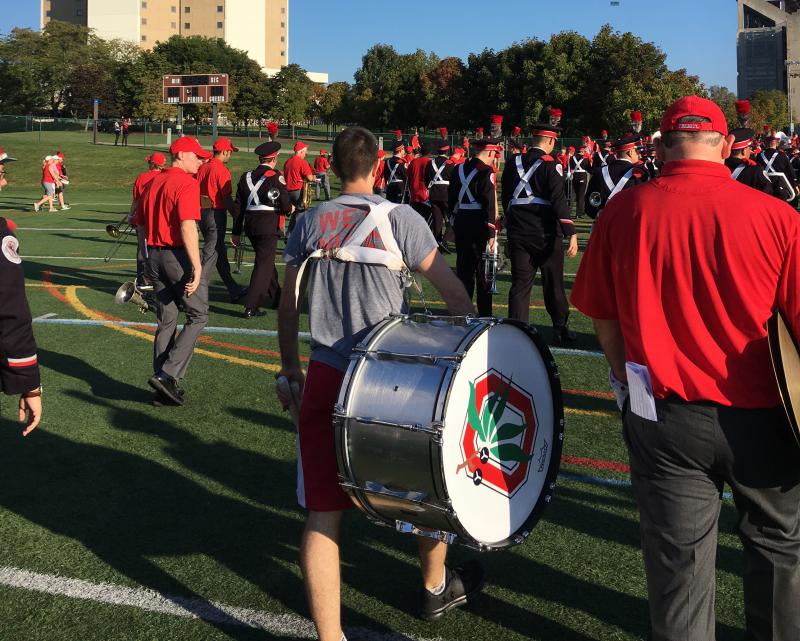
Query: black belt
point(164, 247)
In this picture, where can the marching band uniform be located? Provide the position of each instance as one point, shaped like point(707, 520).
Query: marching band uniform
point(379, 187)
point(580, 167)
point(260, 216)
point(742, 167)
point(473, 201)
point(417, 185)
point(394, 174)
point(619, 174)
point(774, 161)
point(537, 220)
point(437, 178)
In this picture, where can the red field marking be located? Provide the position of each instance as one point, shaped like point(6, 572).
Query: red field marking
point(47, 281)
point(244, 348)
point(589, 393)
point(610, 466)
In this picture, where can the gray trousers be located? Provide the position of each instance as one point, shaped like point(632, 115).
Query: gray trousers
point(169, 269)
point(678, 467)
point(322, 182)
point(213, 225)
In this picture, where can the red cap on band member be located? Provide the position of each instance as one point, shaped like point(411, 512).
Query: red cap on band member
point(636, 116)
point(694, 106)
point(497, 120)
point(443, 132)
point(517, 131)
point(187, 143)
point(742, 107)
point(556, 113)
point(603, 134)
point(381, 153)
point(398, 133)
point(157, 159)
point(478, 130)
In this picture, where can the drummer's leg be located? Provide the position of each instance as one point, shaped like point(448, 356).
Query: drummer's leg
point(319, 559)
point(432, 555)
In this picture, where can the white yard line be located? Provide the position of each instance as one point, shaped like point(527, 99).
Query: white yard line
point(283, 625)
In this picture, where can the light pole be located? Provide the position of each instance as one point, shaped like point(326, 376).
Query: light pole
point(789, 64)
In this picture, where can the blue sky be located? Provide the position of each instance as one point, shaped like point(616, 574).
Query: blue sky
point(699, 35)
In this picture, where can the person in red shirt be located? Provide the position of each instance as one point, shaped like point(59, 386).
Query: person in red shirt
point(415, 140)
point(321, 166)
point(298, 174)
point(417, 186)
point(50, 180)
point(61, 170)
point(155, 163)
point(379, 187)
point(680, 277)
point(216, 201)
point(166, 223)
point(458, 156)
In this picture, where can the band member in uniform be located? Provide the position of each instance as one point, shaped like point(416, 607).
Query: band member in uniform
point(166, 224)
point(680, 277)
point(216, 200)
point(777, 166)
point(795, 162)
point(394, 173)
point(345, 300)
point(437, 179)
point(537, 222)
point(743, 167)
point(580, 167)
point(321, 166)
point(602, 153)
point(417, 185)
point(298, 174)
point(621, 173)
point(155, 165)
point(458, 157)
point(744, 113)
point(652, 163)
point(263, 198)
point(475, 218)
point(19, 367)
point(272, 130)
point(398, 139)
point(380, 180)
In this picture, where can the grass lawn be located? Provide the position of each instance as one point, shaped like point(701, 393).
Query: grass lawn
point(198, 503)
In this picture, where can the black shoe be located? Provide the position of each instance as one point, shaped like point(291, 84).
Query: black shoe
point(168, 387)
point(159, 400)
point(462, 583)
point(253, 313)
point(237, 296)
point(563, 336)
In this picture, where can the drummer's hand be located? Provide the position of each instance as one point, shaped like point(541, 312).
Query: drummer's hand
point(295, 375)
point(235, 240)
point(572, 250)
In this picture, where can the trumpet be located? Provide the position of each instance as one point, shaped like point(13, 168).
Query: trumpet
point(118, 232)
point(131, 293)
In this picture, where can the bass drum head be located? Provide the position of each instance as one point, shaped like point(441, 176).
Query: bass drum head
point(503, 433)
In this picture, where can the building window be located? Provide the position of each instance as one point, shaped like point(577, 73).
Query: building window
point(174, 9)
point(283, 53)
point(220, 25)
point(144, 38)
point(283, 9)
point(187, 25)
point(187, 9)
point(173, 25)
point(47, 13)
point(283, 39)
point(220, 8)
point(144, 20)
point(144, 4)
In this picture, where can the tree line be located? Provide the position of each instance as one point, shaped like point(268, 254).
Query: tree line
point(596, 82)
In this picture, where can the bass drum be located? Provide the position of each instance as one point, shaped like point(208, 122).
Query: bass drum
point(451, 427)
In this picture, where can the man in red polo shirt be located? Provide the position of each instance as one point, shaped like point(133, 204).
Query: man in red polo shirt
point(418, 188)
point(297, 172)
point(216, 201)
point(680, 277)
point(166, 223)
point(321, 166)
point(155, 163)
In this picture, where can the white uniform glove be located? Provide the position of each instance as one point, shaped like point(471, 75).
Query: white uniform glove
point(619, 388)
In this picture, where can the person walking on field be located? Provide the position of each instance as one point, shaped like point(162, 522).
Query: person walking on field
point(126, 129)
point(50, 180)
point(321, 166)
point(117, 132)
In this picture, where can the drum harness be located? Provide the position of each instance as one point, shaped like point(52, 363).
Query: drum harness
point(395, 167)
point(770, 171)
point(437, 176)
point(352, 249)
point(577, 167)
point(253, 201)
point(525, 184)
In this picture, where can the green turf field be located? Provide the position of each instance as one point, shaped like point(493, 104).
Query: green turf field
point(197, 503)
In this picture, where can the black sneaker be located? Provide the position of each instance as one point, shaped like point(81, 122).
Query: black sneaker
point(254, 313)
point(463, 582)
point(168, 387)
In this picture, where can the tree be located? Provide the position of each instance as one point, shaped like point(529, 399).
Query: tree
point(292, 89)
point(726, 100)
point(769, 109)
point(443, 87)
point(329, 108)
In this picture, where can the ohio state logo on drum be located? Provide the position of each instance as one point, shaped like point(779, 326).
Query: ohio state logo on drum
point(499, 434)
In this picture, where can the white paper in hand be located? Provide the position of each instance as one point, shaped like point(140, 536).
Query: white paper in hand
point(641, 390)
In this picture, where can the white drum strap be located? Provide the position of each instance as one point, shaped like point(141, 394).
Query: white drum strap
point(465, 182)
point(253, 202)
point(577, 166)
point(353, 251)
point(392, 178)
point(525, 184)
point(437, 176)
point(738, 171)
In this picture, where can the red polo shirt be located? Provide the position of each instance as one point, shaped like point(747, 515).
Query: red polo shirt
point(294, 170)
point(321, 164)
point(692, 265)
point(215, 182)
point(142, 180)
point(416, 179)
point(171, 197)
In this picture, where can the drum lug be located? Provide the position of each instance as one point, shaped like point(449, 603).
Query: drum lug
point(437, 535)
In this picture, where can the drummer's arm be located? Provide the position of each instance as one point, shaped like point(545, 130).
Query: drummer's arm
point(452, 291)
point(609, 335)
point(288, 328)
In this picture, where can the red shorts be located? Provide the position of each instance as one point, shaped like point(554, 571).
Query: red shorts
point(320, 473)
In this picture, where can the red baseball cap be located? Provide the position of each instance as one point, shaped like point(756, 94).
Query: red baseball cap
point(298, 146)
point(224, 144)
point(694, 106)
point(187, 143)
point(157, 159)
point(322, 152)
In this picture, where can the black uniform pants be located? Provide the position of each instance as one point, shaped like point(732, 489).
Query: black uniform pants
point(529, 254)
point(438, 215)
point(425, 210)
point(394, 192)
point(580, 182)
point(262, 230)
point(679, 464)
point(471, 237)
point(213, 225)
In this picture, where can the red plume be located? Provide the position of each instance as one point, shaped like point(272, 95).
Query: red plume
point(517, 131)
point(497, 120)
point(443, 132)
point(555, 116)
point(742, 107)
point(636, 121)
point(272, 128)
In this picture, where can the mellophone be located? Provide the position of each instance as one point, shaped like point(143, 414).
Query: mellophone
point(452, 428)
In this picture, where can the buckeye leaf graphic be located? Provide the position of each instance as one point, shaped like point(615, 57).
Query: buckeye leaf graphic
point(472, 415)
point(510, 452)
point(509, 430)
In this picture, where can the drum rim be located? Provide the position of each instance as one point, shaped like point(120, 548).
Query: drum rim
point(773, 339)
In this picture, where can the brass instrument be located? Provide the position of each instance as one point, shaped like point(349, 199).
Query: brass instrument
point(130, 292)
point(491, 259)
point(308, 195)
point(118, 232)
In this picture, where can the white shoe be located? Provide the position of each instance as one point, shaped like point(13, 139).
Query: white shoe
point(36, 208)
point(65, 207)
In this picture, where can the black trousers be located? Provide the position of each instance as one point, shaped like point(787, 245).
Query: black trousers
point(679, 464)
point(426, 211)
point(262, 231)
point(529, 254)
point(394, 192)
point(580, 182)
point(213, 225)
point(438, 216)
point(471, 237)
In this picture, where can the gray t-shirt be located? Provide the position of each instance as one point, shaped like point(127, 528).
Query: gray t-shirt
point(346, 300)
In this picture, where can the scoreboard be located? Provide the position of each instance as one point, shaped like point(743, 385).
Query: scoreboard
point(196, 89)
